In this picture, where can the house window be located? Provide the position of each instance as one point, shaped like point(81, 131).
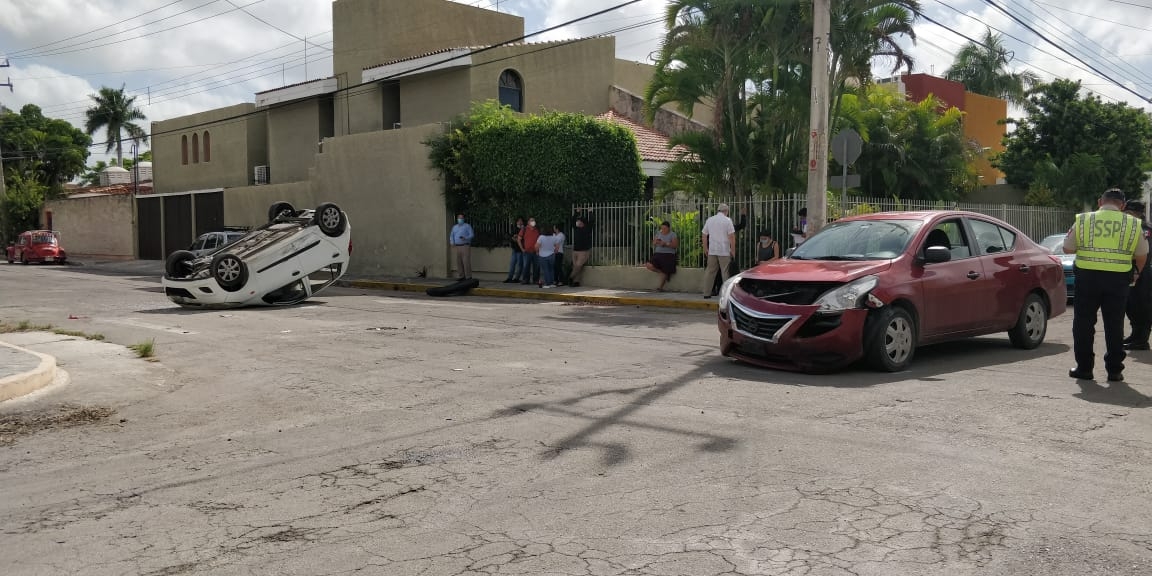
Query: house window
point(512, 90)
point(184, 149)
point(195, 148)
point(207, 147)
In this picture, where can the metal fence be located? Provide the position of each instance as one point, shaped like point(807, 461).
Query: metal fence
point(622, 232)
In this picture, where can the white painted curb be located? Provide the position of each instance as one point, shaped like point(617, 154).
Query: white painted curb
point(30, 381)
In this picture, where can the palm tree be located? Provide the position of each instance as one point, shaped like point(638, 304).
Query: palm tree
point(866, 30)
point(983, 69)
point(115, 113)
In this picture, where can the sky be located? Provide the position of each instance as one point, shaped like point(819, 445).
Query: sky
point(184, 56)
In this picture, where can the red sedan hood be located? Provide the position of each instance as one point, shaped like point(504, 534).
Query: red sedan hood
point(816, 270)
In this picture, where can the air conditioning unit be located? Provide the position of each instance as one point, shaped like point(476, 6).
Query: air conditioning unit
point(261, 175)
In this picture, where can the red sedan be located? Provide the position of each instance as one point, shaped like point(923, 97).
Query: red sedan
point(36, 246)
point(880, 285)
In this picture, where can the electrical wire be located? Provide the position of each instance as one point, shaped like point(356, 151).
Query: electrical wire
point(267, 23)
point(73, 37)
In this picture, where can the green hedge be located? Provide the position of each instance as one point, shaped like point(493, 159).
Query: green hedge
point(497, 164)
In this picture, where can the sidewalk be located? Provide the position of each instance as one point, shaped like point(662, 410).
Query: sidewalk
point(23, 371)
point(583, 295)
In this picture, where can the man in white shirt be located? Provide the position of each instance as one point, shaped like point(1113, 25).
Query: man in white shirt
point(719, 244)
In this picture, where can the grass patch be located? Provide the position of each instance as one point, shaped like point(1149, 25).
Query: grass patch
point(78, 334)
point(23, 326)
point(144, 349)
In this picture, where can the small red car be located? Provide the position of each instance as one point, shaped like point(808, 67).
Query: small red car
point(37, 246)
point(878, 286)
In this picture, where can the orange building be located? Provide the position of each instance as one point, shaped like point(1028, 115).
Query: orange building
point(982, 116)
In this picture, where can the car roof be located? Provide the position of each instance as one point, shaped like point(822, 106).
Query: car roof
point(921, 215)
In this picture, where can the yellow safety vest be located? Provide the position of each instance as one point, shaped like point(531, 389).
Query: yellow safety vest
point(1106, 240)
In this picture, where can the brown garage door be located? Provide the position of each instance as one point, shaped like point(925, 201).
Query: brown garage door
point(209, 212)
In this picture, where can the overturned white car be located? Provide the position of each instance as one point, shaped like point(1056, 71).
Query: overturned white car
point(284, 262)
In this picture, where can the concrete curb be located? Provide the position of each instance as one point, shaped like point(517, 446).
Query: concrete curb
point(535, 295)
point(30, 381)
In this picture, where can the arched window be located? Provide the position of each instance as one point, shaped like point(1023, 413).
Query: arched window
point(207, 147)
point(184, 149)
point(512, 90)
point(195, 148)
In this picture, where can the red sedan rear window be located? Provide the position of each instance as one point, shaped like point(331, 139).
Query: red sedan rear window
point(43, 239)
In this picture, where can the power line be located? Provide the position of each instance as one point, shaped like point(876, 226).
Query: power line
point(1097, 17)
point(996, 5)
point(122, 40)
point(259, 19)
point(1137, 73)
point(23, 50)
point(364, 90)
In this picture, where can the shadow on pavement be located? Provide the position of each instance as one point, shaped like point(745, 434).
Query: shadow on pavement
point(632, 400)
point(1116, 394)
point(930, 362)
point(632, 316)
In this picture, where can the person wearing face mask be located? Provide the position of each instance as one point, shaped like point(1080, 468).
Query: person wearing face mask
point(461, 239)
point(517, 264)
point(767, 249)
point(531, 234)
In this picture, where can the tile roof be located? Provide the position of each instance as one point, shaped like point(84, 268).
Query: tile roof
point(474, 48)
point(653, 145)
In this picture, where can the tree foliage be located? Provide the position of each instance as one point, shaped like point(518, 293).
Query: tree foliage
point(496, 163)
point(983, 69)
point(115, 113)
point(750, 61)
point(914, 150)
point(1077, 146)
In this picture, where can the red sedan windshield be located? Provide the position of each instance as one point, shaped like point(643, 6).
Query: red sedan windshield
point(859, 240)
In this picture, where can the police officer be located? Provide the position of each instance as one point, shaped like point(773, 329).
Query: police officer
point(1107, 244)
point(1140, 296)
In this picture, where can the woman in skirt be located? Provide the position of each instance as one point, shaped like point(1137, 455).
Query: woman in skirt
point(663, 259)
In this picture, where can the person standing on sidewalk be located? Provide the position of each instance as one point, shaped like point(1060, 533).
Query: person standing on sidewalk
point(461, 239)
point(545, 252)
point(528, 242)
point(516, 264)
point(1140, 296)
point(581, 246)
point(558, 274)
point(1108, 246)
point(719, 239)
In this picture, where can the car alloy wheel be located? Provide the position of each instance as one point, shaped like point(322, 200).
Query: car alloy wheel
point(228, 270)
point(330, 218)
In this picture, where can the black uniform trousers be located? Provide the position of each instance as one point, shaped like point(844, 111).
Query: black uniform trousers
point(1106, 294)
point(1140, 310)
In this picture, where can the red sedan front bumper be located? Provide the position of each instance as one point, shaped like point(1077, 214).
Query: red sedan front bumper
point(789, 337)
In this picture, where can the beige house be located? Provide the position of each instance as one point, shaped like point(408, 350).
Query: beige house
point(401, 69)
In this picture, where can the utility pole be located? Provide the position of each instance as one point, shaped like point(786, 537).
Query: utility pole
point(818, 132)
point(3, 189)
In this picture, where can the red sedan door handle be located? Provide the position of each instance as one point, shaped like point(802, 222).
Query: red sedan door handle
point(973, 275)
point(1024, 268)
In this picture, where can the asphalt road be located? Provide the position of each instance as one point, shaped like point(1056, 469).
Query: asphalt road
point(388, 434)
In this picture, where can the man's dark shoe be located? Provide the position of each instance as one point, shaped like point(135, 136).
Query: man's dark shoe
point(509, 281)
point(1080, 374)
point(1137, 346)
point(1116, 377)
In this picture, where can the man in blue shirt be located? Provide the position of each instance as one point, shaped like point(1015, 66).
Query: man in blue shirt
point(461, 240)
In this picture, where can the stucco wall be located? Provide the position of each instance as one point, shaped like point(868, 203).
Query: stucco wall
point(373, 32)
point(248, 206)
point(571, 78)
point(97, 227)
point(635, 77)
point(238, 143)
point(982, 115)
point(919, 86)
point(492, 265)
point(294, 132)
point(394, 201)
point(631, 106)
point(360, 110)
point(434, 97)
